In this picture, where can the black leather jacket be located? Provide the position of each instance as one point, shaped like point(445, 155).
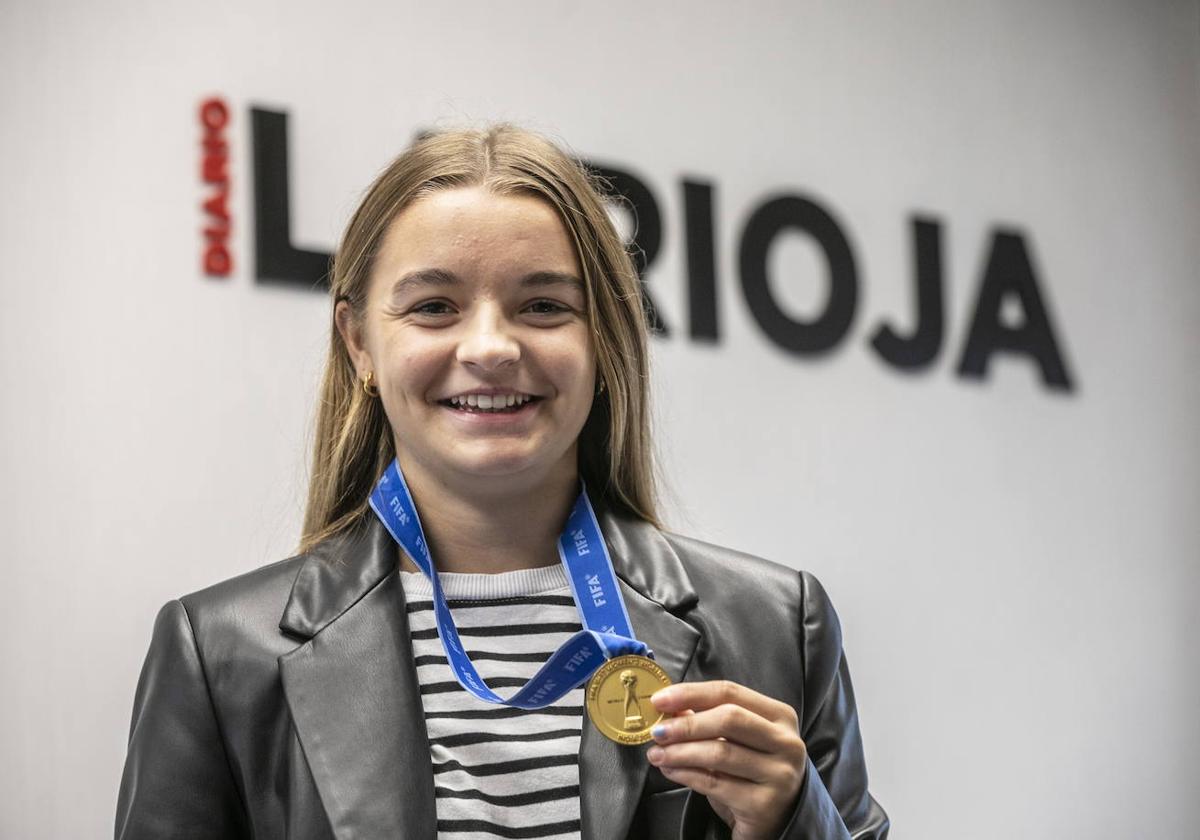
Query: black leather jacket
point(284, 703)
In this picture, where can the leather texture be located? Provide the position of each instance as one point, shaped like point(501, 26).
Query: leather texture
point(284, 703)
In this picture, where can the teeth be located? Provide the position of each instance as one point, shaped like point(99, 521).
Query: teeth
point(490, 402)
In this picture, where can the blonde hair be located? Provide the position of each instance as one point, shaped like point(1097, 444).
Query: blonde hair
point(354, 444)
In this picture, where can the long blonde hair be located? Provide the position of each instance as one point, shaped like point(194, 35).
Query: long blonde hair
point(354, 444)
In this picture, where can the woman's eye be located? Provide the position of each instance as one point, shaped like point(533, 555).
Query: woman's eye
point(547, 307)
point(431, 307)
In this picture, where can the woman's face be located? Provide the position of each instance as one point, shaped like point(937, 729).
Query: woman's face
point(476, 331)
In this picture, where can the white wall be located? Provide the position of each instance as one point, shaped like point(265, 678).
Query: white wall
point(1016, 569)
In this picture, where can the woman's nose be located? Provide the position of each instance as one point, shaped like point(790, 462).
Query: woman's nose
point(488, 343)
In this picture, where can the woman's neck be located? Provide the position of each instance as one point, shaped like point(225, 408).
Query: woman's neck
point(475, 526)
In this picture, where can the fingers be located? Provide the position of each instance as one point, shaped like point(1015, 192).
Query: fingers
point(713, 785)
point(728, 721)
point(722, 758)
point(707, 695)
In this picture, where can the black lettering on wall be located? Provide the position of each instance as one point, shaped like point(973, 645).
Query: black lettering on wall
point(1009, 271)
point(647, 226)
point(764, 224)
point(921, 347)
point(276, 260)
point(701, 260)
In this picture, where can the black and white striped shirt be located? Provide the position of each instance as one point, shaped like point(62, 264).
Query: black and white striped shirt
point(499, 771)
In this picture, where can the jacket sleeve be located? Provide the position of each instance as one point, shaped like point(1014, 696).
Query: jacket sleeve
point(177, 782)
point(833, 802)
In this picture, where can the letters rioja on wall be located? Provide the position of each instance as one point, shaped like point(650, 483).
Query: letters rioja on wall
point(1008, 274)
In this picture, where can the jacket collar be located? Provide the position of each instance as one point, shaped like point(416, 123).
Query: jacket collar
point(339, 571)
point(644, 559)
point(355, 698)
point(336, 574)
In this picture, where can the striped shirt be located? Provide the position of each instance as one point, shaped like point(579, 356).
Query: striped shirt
point(499, 772)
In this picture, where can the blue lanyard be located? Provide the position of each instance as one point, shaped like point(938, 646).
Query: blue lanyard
point(606, 630)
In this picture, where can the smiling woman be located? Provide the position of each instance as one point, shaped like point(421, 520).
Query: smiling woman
point(488, 308)
point(482, 516)
point(482, 219)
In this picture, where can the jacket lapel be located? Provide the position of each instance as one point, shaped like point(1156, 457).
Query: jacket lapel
point(655, 587)
point(352, 690)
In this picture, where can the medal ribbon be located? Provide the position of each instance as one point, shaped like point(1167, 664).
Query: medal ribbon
point(606, 629)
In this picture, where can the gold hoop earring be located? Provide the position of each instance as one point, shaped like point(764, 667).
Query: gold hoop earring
point(368, 384)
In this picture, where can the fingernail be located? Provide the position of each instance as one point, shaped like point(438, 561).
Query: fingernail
point(659, 732)
point(654, 753)
point(660, 696)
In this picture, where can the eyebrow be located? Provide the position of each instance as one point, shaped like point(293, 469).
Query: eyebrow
point(440, 278)
point(551, 278)
point(435, 277)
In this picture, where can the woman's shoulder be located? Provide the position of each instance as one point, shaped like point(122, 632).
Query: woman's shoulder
point(752, 584)
point(231, 628)
point(716, 571)
point(247, 596)
point(259, 608)
point(719, 561)
point(258, 597)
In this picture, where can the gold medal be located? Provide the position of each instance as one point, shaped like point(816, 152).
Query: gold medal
point(618, 698)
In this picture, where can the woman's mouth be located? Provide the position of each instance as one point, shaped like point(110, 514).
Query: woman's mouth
point(489, 403)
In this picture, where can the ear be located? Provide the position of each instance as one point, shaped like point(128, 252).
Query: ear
point(351, 330)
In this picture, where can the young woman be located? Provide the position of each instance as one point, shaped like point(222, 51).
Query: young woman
point(481, 501)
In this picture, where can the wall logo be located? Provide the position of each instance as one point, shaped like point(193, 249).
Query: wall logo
point(214, 172)
point(1009, 279)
